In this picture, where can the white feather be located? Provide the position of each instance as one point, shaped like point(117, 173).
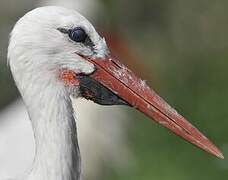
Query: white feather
point(37, 51)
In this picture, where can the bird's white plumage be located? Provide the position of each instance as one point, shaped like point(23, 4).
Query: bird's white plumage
point(37, 51)
point(106, 125)
point(101, 132)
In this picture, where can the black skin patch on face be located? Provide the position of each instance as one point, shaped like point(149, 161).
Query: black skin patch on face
point(96, 92)
point(75, 33)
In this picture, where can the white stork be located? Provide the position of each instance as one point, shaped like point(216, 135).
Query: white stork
point(55, 54)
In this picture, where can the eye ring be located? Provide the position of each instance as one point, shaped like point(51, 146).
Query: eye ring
point(78, 35)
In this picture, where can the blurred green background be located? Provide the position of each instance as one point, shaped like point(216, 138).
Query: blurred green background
point(183, 45)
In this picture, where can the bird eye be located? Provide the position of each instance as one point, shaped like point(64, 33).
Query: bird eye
point(78, 34)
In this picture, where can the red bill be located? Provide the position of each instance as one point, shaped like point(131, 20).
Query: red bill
point(131, 90)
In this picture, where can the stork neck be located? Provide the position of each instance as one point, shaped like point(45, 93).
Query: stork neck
point(57, 153)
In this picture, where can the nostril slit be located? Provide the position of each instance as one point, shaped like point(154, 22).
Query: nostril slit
point(116, 64)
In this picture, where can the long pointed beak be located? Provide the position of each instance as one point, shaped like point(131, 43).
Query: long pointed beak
point(124, 83)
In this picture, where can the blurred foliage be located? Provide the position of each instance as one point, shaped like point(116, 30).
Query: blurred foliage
point(184, 45)
point(8, 90)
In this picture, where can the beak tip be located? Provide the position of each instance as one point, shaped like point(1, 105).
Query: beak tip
point(213, 150)
point(216, 152)
point(220, 155)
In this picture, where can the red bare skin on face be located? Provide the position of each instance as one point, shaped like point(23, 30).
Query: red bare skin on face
point(68, 77)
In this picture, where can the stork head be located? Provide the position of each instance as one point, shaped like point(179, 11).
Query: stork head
point(60, 45)
point(46, 39)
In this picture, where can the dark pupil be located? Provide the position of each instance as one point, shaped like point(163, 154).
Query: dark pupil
point(78, 35)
